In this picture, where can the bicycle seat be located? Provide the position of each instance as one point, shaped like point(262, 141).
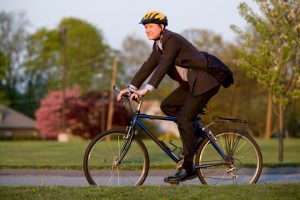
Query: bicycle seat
point(223, 119)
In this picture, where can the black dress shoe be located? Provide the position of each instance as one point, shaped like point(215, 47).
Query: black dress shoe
point(181, 175)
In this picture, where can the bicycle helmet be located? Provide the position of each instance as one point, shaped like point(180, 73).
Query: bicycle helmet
point(155, 17)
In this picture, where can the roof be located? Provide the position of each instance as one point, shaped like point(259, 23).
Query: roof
point(11, 119)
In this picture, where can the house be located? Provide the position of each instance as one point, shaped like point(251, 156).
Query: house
point(14, 124)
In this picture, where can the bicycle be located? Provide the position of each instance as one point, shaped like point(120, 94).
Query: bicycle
point(226, 154)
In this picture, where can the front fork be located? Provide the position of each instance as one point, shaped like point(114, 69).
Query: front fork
point(128, 138)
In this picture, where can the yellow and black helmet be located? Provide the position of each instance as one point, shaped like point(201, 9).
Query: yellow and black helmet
point(154, 17)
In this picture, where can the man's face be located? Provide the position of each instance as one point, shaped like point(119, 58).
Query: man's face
point(153, 31)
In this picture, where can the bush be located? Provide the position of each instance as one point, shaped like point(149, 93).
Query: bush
point(85, 115)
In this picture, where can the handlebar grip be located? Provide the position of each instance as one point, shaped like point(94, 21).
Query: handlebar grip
point(127, 95)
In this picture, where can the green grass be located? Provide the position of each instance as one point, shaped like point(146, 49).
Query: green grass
point(47, 154)
point(270, 152)
point(259, 191)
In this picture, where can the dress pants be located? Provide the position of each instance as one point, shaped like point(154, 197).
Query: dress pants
point(181, 103)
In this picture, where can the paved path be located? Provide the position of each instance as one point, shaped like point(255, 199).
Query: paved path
point(155, 177)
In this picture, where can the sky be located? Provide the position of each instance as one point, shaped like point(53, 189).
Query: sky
point(120, 18)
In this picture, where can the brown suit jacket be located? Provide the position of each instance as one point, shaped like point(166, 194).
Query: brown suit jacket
point(176, 51)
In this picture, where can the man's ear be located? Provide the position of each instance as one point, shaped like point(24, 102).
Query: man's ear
point(162, 26)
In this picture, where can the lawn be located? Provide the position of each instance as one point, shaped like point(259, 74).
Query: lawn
point(224, 192)
point(50, 154)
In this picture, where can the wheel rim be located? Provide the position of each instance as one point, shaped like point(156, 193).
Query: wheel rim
point(244, 164)
point(102, 168)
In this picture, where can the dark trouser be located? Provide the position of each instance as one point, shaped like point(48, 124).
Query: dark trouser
point(183, 105)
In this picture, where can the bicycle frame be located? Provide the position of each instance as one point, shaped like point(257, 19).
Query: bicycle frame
point(135, 121)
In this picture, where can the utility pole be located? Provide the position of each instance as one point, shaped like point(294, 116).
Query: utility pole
point(111, 96)
point(63, 33)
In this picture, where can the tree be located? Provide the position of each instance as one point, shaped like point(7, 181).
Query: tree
point(41, 65)
point(43, 57)
point(12, 45)
point(205, 40)
point(85, 54)
point(86, 115)
point(49, 115)
point(270, 52)
point(293, 118)
point(134, 53)
point(73, 54)
point(3, 97)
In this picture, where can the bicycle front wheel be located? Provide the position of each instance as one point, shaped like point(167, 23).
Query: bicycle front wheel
point(244, 159)
point(99, 163)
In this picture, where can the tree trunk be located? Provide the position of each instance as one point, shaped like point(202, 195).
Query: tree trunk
point(269, 117)
point(281, 132)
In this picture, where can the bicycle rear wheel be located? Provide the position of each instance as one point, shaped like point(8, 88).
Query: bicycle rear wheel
point(245, 159)
point(100, 156)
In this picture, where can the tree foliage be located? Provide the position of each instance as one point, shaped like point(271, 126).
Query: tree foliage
point(49, 115)
point(134, 53)
point(85, 54)
point(270, 51)
point(3, 97)
point(12, 45)
point(86, 114)
point(205, 40)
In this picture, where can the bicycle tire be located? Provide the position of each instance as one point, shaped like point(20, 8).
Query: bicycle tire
point(98, 162)
point(241, 148)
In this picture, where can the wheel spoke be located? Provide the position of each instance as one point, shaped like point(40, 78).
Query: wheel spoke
point(235, 144)
point(102, 153)
point(242, 152)
point(131, 154)
point(241, 147)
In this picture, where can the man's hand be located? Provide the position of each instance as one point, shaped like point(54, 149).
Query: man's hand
point(140, 93)
point(122, 92)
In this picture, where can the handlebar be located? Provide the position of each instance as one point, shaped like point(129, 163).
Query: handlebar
point(117, 90)
point(126, 98)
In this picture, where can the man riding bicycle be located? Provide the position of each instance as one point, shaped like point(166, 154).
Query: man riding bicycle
point(172, 54)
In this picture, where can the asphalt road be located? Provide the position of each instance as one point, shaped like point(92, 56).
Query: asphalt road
point(155, 177)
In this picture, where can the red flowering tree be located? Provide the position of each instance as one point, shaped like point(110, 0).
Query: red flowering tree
point(49, 115)
point(85, 115)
